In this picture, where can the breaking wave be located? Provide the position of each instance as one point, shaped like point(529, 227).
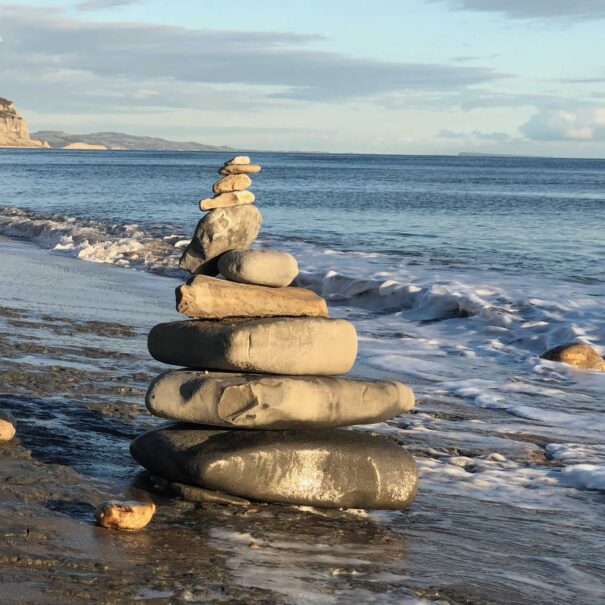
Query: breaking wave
point(122, 245)
point(129, 245)
point(503, 317)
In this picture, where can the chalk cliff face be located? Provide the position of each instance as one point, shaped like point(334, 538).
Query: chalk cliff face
point(13, 128)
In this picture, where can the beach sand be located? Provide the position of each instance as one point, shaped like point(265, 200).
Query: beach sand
point(73, 371)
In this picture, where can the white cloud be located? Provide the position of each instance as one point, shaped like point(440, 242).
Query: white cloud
point(580, 124)
point(94, 5)
point(138, 54)
point(446, 133)
point(496, 137)
point(576, 10)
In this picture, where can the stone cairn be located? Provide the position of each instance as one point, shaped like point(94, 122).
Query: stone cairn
point(258, 407)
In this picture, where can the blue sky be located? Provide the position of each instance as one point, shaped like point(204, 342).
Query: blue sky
point(407, 76)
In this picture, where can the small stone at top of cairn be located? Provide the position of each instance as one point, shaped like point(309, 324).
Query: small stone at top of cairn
point(232, 221)
point(238, 159)
point(239, 169)
point(260, 397)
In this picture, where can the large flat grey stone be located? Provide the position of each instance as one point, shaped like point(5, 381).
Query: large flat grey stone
point(277, 345)
point(324, 468)
point(260, 401)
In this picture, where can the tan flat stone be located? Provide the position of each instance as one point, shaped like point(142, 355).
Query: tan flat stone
point(211, 298)
point(261, 401)
point(260, 267)
point(220, 230)
point(226, 200)
point(232, 182)
point(275, 345)
point(8, 426)
point(127, 514)
point(238, 159)
point(576, 354)
point(239, 169)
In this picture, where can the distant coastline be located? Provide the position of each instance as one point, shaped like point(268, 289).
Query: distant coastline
point(15, 134)
point(119, 141)
point(472, 154)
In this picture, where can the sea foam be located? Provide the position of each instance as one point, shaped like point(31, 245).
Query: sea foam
point(464, 335)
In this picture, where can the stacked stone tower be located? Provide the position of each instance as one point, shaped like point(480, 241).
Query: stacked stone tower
point(258, 407)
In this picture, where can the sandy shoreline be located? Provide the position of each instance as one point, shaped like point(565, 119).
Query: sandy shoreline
point(74, 369)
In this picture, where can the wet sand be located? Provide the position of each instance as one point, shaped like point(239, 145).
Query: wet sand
point(74, 370)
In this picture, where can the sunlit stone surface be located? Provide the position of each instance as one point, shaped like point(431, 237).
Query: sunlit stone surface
point(275, 402)
point(324, 468)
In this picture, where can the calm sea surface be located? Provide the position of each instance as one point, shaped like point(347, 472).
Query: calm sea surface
point(535, 216)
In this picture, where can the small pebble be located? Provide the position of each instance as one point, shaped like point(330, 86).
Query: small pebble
point(7, 426)
point(127, 514)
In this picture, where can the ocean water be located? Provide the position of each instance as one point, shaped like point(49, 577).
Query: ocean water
point(457, 272)
point(537, 217)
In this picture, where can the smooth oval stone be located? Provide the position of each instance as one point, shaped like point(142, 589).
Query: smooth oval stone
point(275, 345)
point(220, 230)
point(234, 182)
point(238, 159)
point(324, 468)
point(124, 514)
point(260, 267)
point(226, 200)
point(239, 169)
point(210, 298)
point(7, 426)
point(257, 401)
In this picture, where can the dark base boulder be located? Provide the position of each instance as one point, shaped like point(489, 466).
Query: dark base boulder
point(324, 468)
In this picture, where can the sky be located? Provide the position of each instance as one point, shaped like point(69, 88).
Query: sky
point(360, 76)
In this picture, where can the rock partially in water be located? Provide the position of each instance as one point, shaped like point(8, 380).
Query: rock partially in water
point(127, 514)
point(210, 298)
point(276, 345)
point(14, 131)
point(220, 230)
point(260, 267)
point(8, 426)
point(577, 354)
point(323, 468)
point(258, 401)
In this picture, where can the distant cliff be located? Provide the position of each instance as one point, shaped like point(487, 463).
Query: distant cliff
point(13, 128)
point(119, 140)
